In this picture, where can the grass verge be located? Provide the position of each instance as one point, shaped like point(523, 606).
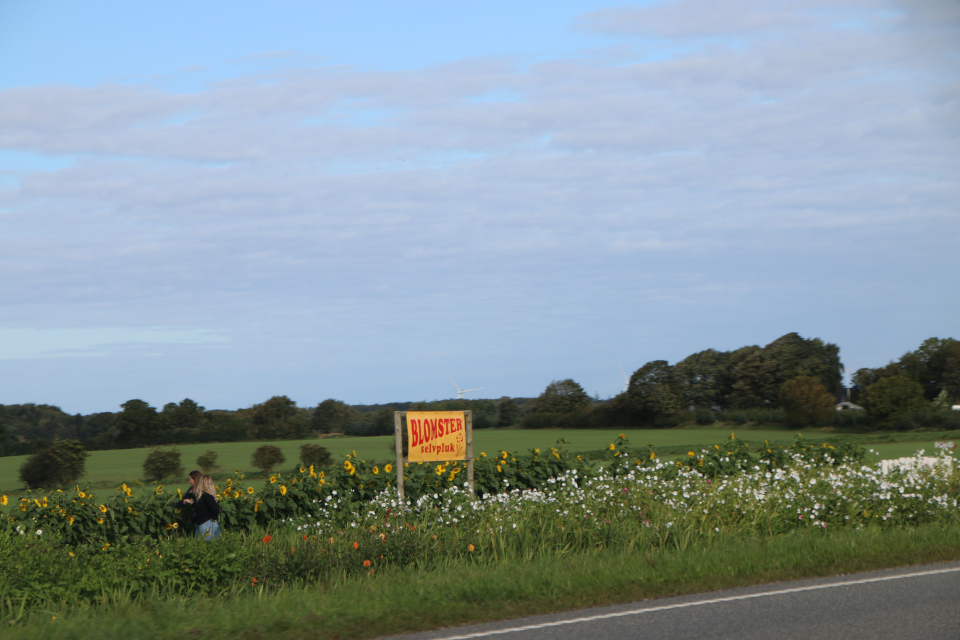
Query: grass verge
point(460, 592)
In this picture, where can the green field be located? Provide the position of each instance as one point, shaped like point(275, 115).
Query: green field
point(126, 465)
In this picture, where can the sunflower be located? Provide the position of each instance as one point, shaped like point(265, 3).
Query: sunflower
point(273, 479)
point(386, 469)
point(250, 490)
point(283, 489)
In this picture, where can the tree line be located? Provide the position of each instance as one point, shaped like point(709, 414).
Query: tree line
point(28, 428)
point(793, 380)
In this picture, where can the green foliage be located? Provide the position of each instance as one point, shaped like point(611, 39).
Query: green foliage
point(756, 381)
point(333, 416)
point(162, 463)
point(702, 378)
point(279, 417)
point(935, 365)
point(508, 412)
point(207, 461)
point(807, 402)
point(138, 422)
point(267, 457)
point(315, 455)
point(890, 401)
point(653, 396)
point(186, 415)
point(59, 465)
point(705, 417)
point(752, 416)
point(562, 397)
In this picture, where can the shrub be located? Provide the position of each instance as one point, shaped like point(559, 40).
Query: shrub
point(267, 457)
point(161, 464)
point(314, 455)
point(60, 464)
point(705, 416)
point(208, 462)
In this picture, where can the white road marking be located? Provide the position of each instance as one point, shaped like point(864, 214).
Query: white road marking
point(605, 616)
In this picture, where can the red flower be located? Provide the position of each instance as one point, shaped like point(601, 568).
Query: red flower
point(356, 545)
point(304, 537)
point(366, 563)
point(267, 539)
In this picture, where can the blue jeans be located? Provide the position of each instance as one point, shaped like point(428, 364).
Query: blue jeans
point(208, 530)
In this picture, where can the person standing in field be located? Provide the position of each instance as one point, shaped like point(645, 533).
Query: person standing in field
point(206, 510)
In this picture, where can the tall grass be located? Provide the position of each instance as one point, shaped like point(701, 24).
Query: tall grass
point(461, 590)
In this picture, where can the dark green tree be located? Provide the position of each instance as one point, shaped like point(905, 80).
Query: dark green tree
point(279, 417)
point(208, 461)
point(507, 412)
point(59, 465)
point(935, 365)
point(891, 399)
point(653, 396)
point(807, 402)
point(757, 378)
point(701, 378)
point(267, 457)
point(162, 463)
point(938, 367)
point(333, 416)
point(383, 422)
point(138, 422)
point(562, 397)
point(314, 455)
point(186, 415)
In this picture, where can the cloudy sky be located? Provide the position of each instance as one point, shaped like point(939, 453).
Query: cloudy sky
point(233, 200)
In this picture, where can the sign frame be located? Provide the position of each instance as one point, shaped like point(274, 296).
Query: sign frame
point(398, 420)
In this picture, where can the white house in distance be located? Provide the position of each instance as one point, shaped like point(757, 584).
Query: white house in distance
point(848, 406)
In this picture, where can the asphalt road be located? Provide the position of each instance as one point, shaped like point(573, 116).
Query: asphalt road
point(913, 603)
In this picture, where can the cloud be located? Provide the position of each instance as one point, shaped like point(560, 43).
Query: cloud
point(359, 209)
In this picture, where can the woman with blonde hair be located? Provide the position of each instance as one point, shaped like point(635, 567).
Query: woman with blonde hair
point(206, 510)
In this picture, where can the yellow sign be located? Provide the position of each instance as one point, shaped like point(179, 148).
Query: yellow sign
point(436, 435)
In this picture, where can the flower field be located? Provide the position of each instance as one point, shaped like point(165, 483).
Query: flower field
point(71, 548)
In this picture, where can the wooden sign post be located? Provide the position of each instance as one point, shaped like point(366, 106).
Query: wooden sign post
point(434, 436)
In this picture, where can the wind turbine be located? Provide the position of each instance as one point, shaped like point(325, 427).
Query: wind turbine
point(460, 391)
point(626, 380)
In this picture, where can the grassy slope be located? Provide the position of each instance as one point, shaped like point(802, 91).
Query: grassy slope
point(125, 465)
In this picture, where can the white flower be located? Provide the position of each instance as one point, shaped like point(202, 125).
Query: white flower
point(39, 532)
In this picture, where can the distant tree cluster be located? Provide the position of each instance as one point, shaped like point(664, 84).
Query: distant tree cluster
point(793, 380)
point(916, 390)
point(750, 378)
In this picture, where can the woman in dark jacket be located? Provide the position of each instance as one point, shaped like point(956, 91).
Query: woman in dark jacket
point(206, 511)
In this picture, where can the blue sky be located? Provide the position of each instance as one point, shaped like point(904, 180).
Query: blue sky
point(235, 201)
